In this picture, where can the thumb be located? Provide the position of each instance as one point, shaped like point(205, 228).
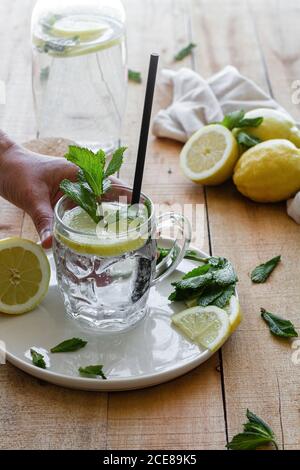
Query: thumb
point(42, 216)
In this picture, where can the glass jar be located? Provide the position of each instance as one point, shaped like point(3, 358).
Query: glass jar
point(79, 70)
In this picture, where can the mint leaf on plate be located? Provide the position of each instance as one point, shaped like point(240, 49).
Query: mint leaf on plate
point(279, 326)
point(256, 433)
point(185, 52)
point(69, 345)
point(37, 359)
point(92, 371)
point(261, 273)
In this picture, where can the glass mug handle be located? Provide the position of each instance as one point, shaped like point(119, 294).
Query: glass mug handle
point(177, 246)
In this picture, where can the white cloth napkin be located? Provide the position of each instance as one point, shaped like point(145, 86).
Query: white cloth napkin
point(195, 102)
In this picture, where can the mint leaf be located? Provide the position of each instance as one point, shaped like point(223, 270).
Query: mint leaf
point(116, 162)
point(184, 52)
point(91, 164)
point(262, 272)
point(279, 326)
point(256, 433)
point(161, 254)
point(92, 371)
point(69, 345)
point(82, 196)
point(37, 359)
point(247, 140)
point(194, 256)
point(236, 119)
point(212, 283)
point(134, 76)
point(233, 119)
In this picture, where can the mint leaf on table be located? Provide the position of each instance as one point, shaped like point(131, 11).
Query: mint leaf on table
point(256, 433)
point(134, 76)
point(279, 326)
point(247, 140)
point(185, 52)
point(82, 196)
point(237, 119)
point(261, 273)
point(37, 359)
point(69, 345)
point(91, 164)
point(92, 371)
point(116, 162)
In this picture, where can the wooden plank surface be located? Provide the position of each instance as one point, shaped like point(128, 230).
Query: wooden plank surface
point(256, 371)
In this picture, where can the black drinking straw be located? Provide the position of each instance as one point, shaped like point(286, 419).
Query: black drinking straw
point(141, 156)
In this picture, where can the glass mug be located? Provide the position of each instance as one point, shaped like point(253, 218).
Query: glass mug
point(107, 289)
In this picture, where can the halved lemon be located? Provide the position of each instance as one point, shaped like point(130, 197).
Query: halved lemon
point(210, 155)
point(206, 326)
point(24, 275)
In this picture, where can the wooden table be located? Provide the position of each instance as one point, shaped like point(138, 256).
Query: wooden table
point(206, 407)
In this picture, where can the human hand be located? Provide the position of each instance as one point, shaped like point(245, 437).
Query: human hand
point(31, 182)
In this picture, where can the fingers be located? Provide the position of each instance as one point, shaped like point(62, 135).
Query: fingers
point(42, 216)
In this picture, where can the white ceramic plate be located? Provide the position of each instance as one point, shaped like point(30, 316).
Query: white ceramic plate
point(152, 353)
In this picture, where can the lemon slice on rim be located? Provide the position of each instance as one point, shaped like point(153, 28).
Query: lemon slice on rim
point(206, 326)
point(210, 155)
point(87, 237)
point(24, 275)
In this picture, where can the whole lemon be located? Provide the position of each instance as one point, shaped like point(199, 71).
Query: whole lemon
point(276, 125)
point(269, 172)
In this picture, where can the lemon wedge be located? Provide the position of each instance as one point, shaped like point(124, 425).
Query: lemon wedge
point(234, 312)
point(24, 275)
point(208, 327)
point(210, 155)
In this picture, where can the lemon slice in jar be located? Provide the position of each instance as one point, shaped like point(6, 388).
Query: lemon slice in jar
point(85, 27)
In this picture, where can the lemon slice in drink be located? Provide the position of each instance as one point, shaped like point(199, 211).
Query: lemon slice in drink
point(24, 275)
point(86, 28)
point(210, 155)
point(104, 239)
point(206, 326)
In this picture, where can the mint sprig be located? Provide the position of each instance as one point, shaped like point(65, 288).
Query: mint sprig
point(237, 119)
point(212, 283)
point(134, 76)
point(256, 433)
point(93, 177)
